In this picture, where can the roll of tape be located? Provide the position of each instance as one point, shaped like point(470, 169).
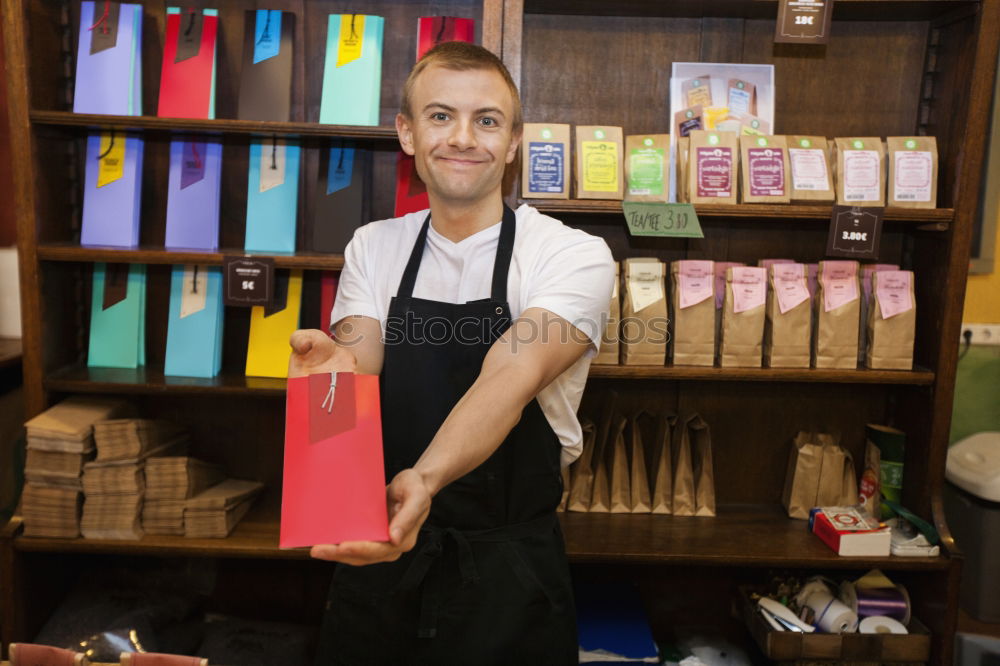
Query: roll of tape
point(891, 602)
point(880, 624)
point(831, 616)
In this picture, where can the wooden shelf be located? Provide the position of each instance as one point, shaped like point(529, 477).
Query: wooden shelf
point(221, 126)
point(758, 536)
point(82, 379)
point(158, 255)
point(938, 218)
point(917, 377)
point(843, 10)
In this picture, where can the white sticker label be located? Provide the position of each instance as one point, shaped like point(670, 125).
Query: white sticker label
point(645, 285)
point(862, 176)
point(194, 290)
point(913, 175)
point(696, 282)
point(809, 170)
point(272, 165)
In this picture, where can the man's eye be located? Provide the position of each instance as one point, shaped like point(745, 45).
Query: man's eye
point(439, 116)
point(488, 122)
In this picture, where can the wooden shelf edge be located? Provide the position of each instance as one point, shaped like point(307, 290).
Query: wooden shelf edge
point(918, 377)
point(223, 126)
point(71, 252)
point(938, 216)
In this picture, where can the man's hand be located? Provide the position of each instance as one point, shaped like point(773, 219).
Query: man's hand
point(314, 352)
point(409, 505)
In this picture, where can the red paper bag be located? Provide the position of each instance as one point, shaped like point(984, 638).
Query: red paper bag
point(432, 30)
point(334, 480)
point(186, 85)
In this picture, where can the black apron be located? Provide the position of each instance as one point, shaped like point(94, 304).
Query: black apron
point(488, 581)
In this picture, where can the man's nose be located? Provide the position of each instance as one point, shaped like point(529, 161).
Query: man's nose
point(463, 135)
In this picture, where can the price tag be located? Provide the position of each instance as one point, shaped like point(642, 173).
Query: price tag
point(855, 232)
point(662, 219)
point(803, 22)
point(248, 281)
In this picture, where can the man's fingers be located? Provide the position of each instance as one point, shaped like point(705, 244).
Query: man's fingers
point(356, 553)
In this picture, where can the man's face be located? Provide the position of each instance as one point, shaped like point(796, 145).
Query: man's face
point(461, 132)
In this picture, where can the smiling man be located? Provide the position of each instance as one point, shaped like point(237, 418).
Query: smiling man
point(481, 323)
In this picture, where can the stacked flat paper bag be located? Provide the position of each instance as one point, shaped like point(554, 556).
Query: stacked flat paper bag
point(170, 481)
point(214, 513)
point(60, 441)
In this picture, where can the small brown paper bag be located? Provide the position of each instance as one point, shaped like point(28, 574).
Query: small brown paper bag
point(692, 312)
point(619, 474)
point(647, 172)
point(599, 169)
point(684, 498)
point(641, 498)
point(713, 162)
point(742, 97)
point(743, 317)
point(698, 433)
point(809, 164)
point(608, 354)
point(644, 313)
point(892, 321)
point(764, 169)
point(661, 465)
point(720, 268)
point(860, 172)
point(601, 501)
point(805, 461)
point(837, 307)
point(697, 91)
point(866, 304)
point(686, 120)
point(545, 161)
point(913, 171)
point(837, 484)
point(581, 473)
point(789, 317)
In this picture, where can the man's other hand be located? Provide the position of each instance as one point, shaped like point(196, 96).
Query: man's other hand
point(409, 502)
point(314, 352)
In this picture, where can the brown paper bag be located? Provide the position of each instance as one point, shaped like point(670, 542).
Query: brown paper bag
point(697, 431)
point(837, 307)
point(599, 169)
point(866, 304)
point(713, 162)
point(581, 474)
point(641, 498)
point(686, 120)
point(661, 466)
point(789, 317)
point(608, 354)
point(860, 171)
point(743, 316)
point(742, 97)
point(545, 161)
point(697, 91)
point(811, 177)
point(913, 171)
point(647, 172)
point(619, 474)
point(720, 268)
point(692, 312)
point(764, 169)
point(601, 501)
point(684, 496)
point(644, 313)
point(837, 483)
point(892, 321)
point(805, 461)
point(565, 486)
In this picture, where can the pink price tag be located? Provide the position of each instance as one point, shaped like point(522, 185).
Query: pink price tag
point(840, 283)
point(696, 281)
point(790, 286)
point(720, 280)
point(749, 288)
point(893, 292)
point(866, 277)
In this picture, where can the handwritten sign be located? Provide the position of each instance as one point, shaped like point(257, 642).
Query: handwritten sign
point(662, 219)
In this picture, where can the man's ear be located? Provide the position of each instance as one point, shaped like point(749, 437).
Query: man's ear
point(515, 143)
point(404, 131)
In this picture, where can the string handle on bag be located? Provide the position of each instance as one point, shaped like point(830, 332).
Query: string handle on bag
point(330, 393)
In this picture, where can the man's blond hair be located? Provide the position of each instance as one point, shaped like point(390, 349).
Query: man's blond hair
point(461, 56)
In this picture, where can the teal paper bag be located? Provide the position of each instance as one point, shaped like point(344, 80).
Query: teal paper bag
point(194, 329)
point(352, 74)
point(272, 195)
point(118, 316)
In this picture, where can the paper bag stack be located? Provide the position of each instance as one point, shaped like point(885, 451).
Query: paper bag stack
point(114, 483)
point(214, 513)
point(643, 463)
point(60, 442)
point(170, 481)
point(820, 473)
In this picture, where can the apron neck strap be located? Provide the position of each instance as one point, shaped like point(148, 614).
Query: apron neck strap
point(501, 263)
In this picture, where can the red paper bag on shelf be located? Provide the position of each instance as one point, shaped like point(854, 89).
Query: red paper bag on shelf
point(334, 480)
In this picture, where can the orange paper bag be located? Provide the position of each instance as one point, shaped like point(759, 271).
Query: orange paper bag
point(334, 480)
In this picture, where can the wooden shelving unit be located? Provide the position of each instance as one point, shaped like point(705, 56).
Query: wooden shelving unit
point(892, 68)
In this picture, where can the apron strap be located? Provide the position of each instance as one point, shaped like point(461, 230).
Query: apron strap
point(501, 263)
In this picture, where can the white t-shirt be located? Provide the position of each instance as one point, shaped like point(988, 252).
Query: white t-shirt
point(563, 270)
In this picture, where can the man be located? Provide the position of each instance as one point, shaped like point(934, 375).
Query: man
point(481, 323)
